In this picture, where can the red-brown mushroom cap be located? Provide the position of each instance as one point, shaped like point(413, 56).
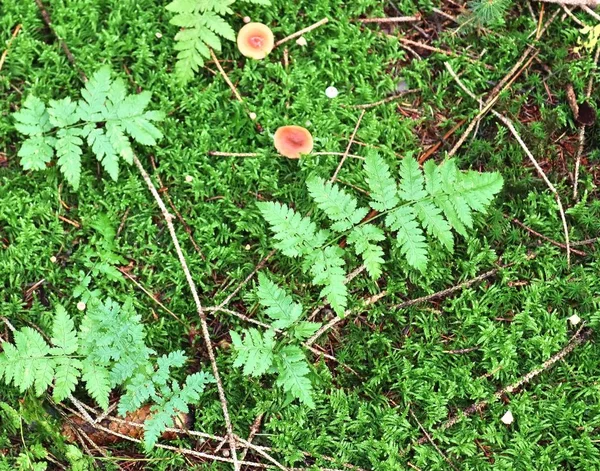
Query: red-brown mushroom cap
point(255, 40)
point(292, 141)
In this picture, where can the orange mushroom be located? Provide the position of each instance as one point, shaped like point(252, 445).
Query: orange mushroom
point(292, 141)
point(255, 40)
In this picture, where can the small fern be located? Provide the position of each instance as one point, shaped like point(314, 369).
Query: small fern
point(104, 117)
point(260, 353)
point(107, 352)
point(427, 203)
point(202, 26)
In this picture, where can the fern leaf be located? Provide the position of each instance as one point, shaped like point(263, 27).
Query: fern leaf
point(36, 152)
point(92, 107)
point(279, 305)
point(64, 336)
point(97, 382)
point(433, 178)
point(119, 141)
point(33, 118)
point(412, 181)
point(478, 189)
point(303, 330)
point(293, 374)
point(295, 235)
point(338, 205)
point(68, 151)
point(410, 236)
point(382, 186)
point(26, 363)
point(361, 238)
point(325, 265)
point(254, 352)
point(104, 151)
point(137, 392)
point(66, 376)
point(434, 223)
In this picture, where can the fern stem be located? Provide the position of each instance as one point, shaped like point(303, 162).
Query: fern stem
point(205, 333)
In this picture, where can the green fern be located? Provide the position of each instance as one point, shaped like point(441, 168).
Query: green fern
point(260, 353)
point(106, 118)
point(434, 200)
point(107, 351)
point(202, 26)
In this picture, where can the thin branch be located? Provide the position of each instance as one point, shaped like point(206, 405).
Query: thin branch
point(430, 440)
point(578, 338)
point(339, 167)
point(547, 239)
point(509, 124)
point(169, 221)
point(385, 100)
point(12, 38)
point(391, 19)
point(591, 3)
point(301, 32)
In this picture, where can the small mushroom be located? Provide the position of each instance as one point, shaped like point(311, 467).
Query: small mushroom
point(255, 40)
point(292, 141)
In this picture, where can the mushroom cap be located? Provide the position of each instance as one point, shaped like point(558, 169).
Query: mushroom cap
point(292, 141)
point(255, 40)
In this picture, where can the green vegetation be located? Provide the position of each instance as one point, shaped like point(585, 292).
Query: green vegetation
point(363, 392)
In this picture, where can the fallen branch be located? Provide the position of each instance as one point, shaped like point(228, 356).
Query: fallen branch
point(301, 32)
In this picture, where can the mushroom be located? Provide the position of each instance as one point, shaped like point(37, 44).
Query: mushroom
point(292, 141)
point(255, 40)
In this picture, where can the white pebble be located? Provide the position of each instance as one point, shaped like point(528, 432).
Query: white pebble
point(81, 306)
point(308, 124)
point(158, 34)
point(331, 92)
point(53, 259)
point(301, 41)
point(507, 418)
point(247, 19)
point(574, 319)
point(189, 178)
point(252, 115)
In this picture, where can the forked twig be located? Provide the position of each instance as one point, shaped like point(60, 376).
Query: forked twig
point(509, 124)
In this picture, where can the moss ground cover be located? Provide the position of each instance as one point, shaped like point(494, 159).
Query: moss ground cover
point(397, 371)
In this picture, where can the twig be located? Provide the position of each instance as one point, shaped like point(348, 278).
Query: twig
point(591, 3)
point(63, 44)
point(339, 167)
point(234, 154)
point(10, 41)
point(391, 19)
point(430, 440)
point(409, 42)
point(589, 11)
point(253, 431)
point(301, 32)
point(226, 77)
point(385, 100)
point(429, 152)
point(547, 239)
point(169, 221)
point(578, 338)
point(586, 242)
point(509, 124)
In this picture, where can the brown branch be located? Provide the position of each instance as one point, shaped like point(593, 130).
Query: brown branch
point(547, 239)
point(301, 32)
point(169, 221)
point(430, 440)
point(12, 38)
point(339, 167)
point(385, 100)
point(391, 19)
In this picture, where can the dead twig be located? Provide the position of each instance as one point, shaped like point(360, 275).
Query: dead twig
point(391, 19)
point(301, 32)
point(339, 167)
point(385, 100)
point(10, 41)
point(547, 239)
point(430, 440)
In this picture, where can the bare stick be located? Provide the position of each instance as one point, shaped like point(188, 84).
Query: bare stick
point(301, 32)
point(169, 221)
point(385, 100)
point(591, 12)
point(578, 338)
point(339, 167)
point(253, 431)
point(591, 3)
point(391, 19)
point(430, 440)
point(509, 124)
point(547, 239)
point(226, 77)
point(12, 38)
point(338, 154)
point(234, 154)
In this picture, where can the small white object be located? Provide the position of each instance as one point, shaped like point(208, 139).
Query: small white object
point(247, 247)
point(252, 115)
point(507, 418)
point(81, 306)
point(308, 124)
point(53, 259)
point(574, 319)
point(247, 19)
point(301, 41)
point(158, 34)
point(331, 92)
point(189, 178)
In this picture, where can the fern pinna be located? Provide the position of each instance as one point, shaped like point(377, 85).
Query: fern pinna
point(106, 117)
point(431, 201)
point(202, 26)
point(260, 353)
point(107, 352)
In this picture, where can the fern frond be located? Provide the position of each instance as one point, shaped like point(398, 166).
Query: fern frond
point(254, 352)
point(338, 205)
point(326, 267)
point(33, 118)
point(293, 374)
point(361, 238)
point(92, 106)
point(97, 382)
point(279, 305)
point(478, 189)
point(412, 181)
point(434, 223)
point(409, 235)
point(68, 151)
point(296, 235)
point(382, 186)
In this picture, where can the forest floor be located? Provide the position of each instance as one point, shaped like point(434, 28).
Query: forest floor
point(424, 366)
